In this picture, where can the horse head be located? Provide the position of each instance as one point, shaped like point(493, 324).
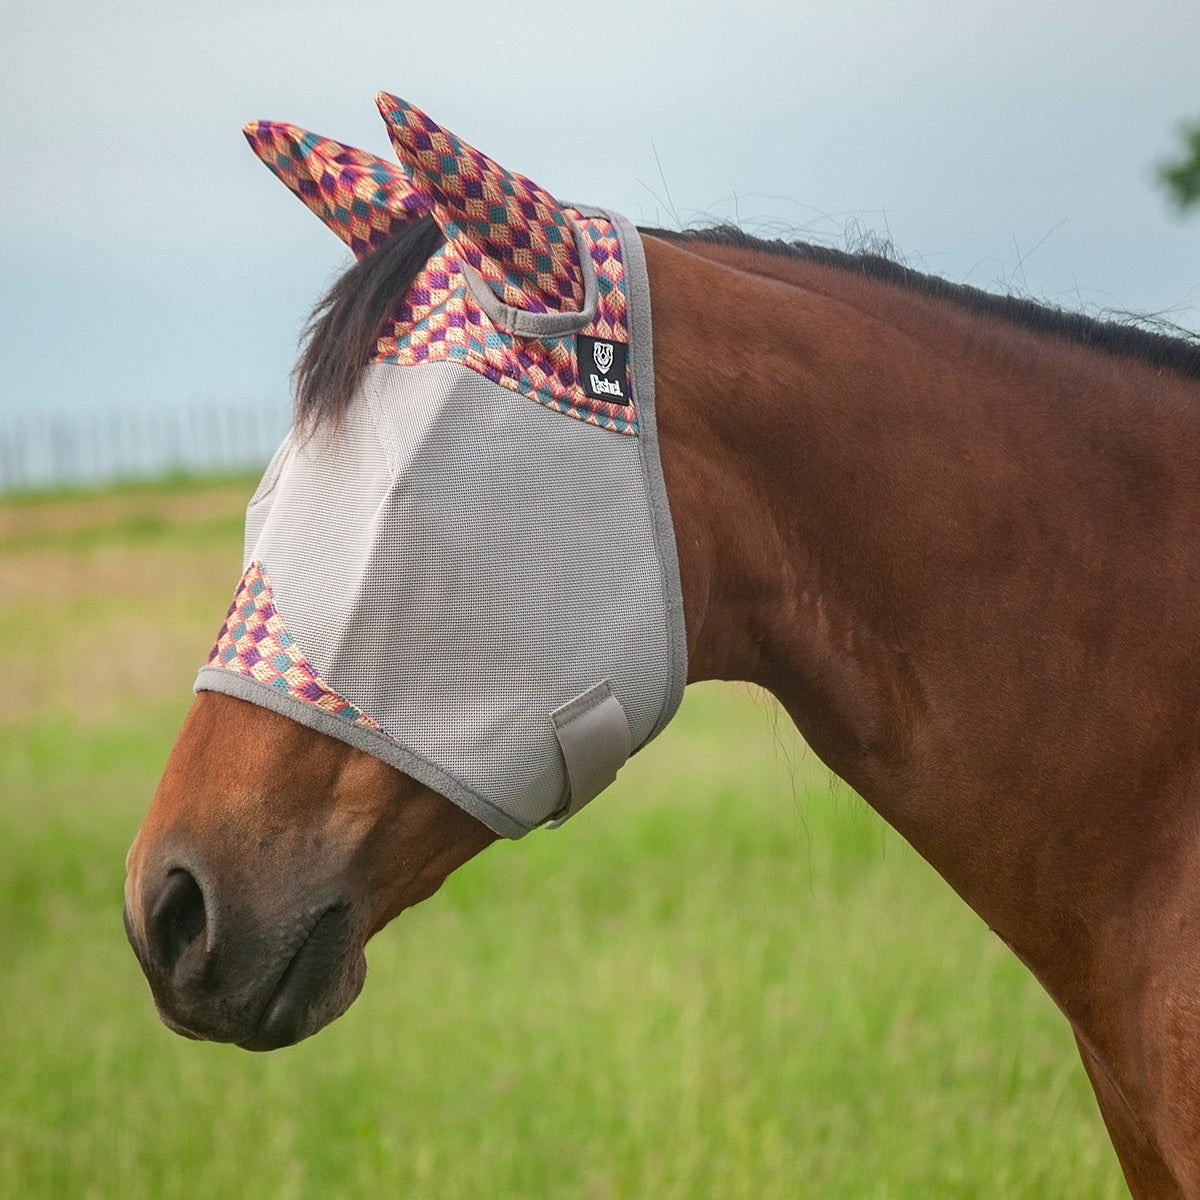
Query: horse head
point(459, 611)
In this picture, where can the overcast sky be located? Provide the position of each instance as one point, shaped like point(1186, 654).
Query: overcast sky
point(146, 256)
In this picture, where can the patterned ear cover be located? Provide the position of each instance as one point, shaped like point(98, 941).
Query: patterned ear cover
point(363, 199)
point(512, 232)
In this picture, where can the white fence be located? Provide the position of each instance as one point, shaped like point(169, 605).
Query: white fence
point(56, 450)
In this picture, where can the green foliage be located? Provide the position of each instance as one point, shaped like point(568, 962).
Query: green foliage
point(1181, 175)
point(727, 978)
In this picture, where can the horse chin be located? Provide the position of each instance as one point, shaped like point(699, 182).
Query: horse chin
point(320, 982)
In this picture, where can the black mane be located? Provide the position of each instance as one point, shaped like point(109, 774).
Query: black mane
point(346, 322)
point(1129, 337)
point(344, 325)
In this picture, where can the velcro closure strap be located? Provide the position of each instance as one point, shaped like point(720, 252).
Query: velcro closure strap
point(594, 735)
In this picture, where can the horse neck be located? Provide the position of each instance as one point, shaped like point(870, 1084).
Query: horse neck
point(949, 547)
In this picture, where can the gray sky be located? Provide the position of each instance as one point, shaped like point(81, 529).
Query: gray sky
point(146, 256)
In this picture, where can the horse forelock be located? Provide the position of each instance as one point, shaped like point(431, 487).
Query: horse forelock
point(346, 322)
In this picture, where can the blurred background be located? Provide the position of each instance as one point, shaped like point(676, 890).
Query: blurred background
point(727, 978)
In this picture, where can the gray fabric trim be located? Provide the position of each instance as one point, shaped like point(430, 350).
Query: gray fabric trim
point(529, 324)
point(642, 374)
point(593, 732)
point(378, 745)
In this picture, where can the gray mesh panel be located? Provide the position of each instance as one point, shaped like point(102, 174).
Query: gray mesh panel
point(459, 561)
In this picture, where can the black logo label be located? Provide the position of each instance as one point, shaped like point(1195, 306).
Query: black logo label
point(603, 369)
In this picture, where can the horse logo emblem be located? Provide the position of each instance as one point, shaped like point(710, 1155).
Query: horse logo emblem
point(602, 353)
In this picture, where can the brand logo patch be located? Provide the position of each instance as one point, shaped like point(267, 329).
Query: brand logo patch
point(602, 367)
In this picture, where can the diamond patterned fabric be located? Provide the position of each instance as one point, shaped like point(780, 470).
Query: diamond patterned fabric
point(254, 642)
point(363, 199)
point(440, 320)
point(513, 232)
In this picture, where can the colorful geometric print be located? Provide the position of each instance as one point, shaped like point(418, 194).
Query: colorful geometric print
point(254, 642)
point(363, 199)
point(440, 320)
point(509, 229)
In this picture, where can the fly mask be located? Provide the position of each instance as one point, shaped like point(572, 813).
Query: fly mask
point(473, 575)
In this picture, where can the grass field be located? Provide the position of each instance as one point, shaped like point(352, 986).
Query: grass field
point(726, 979)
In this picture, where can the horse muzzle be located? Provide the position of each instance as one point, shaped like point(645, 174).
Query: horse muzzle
point(219, 972)
point(249, 903)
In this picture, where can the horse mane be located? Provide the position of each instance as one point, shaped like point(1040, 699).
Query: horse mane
point(1133, 336)
point(344, 325)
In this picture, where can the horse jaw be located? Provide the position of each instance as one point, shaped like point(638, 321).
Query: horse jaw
point(270, 855)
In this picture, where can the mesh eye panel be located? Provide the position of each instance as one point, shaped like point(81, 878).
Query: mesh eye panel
point(463, 603)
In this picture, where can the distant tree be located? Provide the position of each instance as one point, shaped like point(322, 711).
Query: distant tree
point(1181, 176)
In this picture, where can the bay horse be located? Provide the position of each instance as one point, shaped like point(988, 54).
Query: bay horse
point(957, 535)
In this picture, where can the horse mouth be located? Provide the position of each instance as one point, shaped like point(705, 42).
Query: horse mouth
point(320, 982)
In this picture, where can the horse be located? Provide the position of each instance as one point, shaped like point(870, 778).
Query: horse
point(955, 534)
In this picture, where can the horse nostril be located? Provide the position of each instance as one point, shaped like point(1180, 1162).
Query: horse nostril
point(177, 919)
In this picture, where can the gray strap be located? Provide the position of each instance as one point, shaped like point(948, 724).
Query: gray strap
point(548, 324)
point(594, 735)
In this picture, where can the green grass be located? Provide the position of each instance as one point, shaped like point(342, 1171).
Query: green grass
point(725, 979)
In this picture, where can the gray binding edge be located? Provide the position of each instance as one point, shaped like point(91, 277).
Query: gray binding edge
point(378, 745)
point(641, 352)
